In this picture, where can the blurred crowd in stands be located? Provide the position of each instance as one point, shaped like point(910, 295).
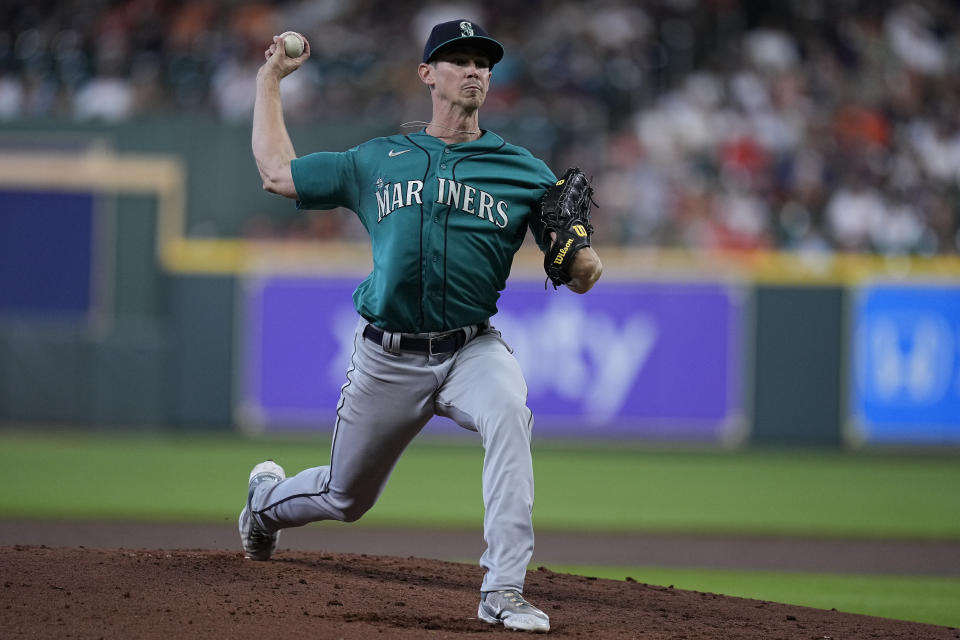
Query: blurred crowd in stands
point(708, 124)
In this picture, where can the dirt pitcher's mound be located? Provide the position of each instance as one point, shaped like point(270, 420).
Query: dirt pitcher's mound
point(86, 593)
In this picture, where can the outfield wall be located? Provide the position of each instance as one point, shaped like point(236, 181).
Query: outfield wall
point(126, 299)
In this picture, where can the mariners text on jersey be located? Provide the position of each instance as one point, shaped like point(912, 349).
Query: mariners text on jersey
point(462, 197)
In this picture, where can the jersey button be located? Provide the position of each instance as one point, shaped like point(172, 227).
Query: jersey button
point(443, 166)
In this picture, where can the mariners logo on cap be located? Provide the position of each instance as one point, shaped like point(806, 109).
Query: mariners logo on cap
point(459, 32)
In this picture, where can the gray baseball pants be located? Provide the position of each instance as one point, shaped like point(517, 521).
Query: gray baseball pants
point(386, 401)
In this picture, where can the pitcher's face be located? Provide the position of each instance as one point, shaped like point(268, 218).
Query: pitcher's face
point(460, 76)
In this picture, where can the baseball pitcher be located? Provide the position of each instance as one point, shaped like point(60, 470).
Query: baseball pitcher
point(446, 209)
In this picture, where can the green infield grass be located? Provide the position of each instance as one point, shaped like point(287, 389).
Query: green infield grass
point(919, 599)
point(615, 489)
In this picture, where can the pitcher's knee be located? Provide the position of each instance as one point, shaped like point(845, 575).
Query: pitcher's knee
point(352, 508)
point(353, 515)
point(509, 407)
point(509, 421)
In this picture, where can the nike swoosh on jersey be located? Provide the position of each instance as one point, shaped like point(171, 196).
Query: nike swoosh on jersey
point(394, 153)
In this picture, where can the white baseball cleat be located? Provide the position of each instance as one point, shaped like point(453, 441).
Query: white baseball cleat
point(509, 607)
point(258, 543)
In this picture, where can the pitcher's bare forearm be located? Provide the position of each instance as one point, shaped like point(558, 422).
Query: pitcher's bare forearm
point(272, 147)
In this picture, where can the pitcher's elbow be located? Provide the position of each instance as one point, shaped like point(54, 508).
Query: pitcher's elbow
point(280, 185)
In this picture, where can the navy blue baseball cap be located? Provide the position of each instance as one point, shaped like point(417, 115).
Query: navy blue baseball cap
point(463, 32)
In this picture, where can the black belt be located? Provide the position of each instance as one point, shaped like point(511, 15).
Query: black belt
point(447, 343)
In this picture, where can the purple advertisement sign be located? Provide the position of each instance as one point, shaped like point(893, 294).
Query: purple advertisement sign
point(634, 359)
point(629, 359)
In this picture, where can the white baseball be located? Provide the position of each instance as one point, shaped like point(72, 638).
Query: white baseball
point(292, 44)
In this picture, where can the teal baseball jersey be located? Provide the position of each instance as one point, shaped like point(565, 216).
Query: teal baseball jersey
point(445, 221)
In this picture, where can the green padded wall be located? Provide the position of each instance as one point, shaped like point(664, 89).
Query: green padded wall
point(798, 365)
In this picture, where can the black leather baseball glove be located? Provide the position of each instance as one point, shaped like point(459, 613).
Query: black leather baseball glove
point(565, 210)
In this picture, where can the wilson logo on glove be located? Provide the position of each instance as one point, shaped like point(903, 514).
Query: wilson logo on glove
point(563, 252)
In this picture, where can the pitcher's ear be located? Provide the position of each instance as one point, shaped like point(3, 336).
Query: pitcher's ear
point(425, 71)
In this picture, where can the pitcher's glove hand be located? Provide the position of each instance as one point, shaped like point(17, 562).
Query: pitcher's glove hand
point(565, 210)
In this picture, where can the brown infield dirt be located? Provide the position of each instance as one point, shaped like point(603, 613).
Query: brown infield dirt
point(79, 592)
